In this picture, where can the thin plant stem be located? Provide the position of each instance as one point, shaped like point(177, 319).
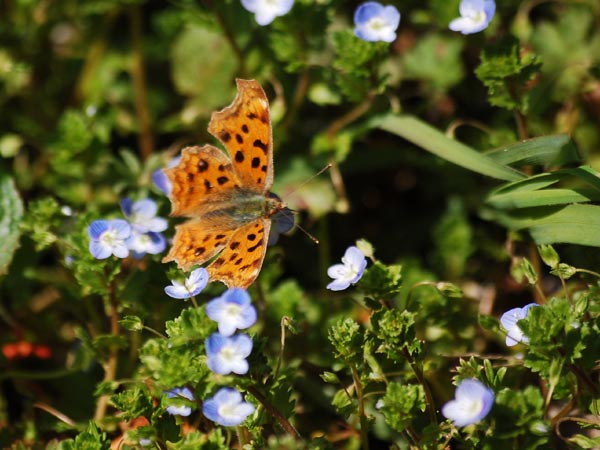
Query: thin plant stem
point(285, 424)
point(138, 74)
point(364, 425)
point(110, 368)
point(421, 379)
point(590, 272)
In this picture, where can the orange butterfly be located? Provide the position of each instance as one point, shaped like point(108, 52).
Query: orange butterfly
point(227, 198)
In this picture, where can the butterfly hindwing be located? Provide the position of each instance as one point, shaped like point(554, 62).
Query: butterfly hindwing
point(196, 241)
point(240, 261)
point(244, 128)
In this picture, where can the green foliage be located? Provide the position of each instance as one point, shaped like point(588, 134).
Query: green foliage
point(382, 281)
point(133, 403)
point(446, 190)
point(396, 332)
point(90, 439)
point(347, 340)
point(11, 211)
point(402, 404)
point(357, 63)
point(505, 70)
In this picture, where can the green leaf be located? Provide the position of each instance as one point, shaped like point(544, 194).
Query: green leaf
point(347, 339)
point(395, 330)
point(506, 70)
point(574, 224)
point(436, 61)
point(380, 280)
point(432, 140)
point(549, 255)
point(132, 323)
point(523, 269)
point(133, 402)
point(584, 442)
point(11, 212)
point(90, 439)
point(554, 150)
point(402, 404)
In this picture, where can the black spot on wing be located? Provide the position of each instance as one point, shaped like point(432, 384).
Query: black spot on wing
point(260, 144)
point(202, 165)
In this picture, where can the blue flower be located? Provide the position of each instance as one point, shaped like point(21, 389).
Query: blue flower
point(349, 272)
point(265, 11)
point(142, 215)
point(108, 237)
point(192, 285)
point(509, 320)
point(180, 401)
point(475, 15)
point(227, 408)
point(142, 243)
point(472, 402)
point(375, 22)
point(228, 354)
point(232, 311)
point(160, 179)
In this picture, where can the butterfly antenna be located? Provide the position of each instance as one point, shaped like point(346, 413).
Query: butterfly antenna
point(308, 180)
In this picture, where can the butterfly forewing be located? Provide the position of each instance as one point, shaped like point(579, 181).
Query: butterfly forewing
point(244, 128)
point(203, 178)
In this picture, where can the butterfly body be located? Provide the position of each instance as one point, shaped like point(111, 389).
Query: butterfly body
point(227, 198)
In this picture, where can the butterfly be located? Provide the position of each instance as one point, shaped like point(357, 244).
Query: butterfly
point(227, 198)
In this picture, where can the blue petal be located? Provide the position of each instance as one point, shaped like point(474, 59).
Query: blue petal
point(237, 295)
point(99, 250)
point(97, 227)
point(126, 206)
point(214, 343)
point(366, 12)
point(145, 209)
point(247, 318)
point(122, 228)
point(177, 290)
point(199, 276)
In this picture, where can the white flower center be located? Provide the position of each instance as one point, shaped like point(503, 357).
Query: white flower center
point(109, 238)
point(376, 24)
point(477, 16)
point(472, 407)
point(228, 353)
point(227, 410)
point(232, 310)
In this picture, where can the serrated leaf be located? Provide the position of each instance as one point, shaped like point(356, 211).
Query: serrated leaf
point(11, 212)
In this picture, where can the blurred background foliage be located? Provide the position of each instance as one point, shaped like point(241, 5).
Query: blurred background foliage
point(96, 95)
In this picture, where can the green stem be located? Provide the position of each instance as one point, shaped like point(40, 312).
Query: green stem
point(138, 74)
point(421, 379)
point(283, 421)
point(110, 368)
point(364, 424)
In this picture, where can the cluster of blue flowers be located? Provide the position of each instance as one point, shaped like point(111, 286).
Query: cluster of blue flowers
point(376, 22)
point(139, 234)
point(226, 352)
point(473, 400)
